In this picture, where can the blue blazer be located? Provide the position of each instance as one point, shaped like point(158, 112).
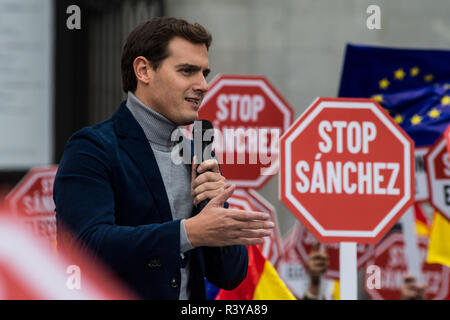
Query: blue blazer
point(110, 194)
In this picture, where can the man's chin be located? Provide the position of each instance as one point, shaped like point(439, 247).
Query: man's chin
point(189, 121)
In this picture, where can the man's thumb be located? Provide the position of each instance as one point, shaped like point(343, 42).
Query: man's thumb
point(220, 199)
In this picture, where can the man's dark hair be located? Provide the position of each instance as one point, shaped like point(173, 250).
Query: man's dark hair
point(151, 38)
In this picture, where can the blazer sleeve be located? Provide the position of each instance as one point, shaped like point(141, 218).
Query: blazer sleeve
point(226, 267)
point(84, 200)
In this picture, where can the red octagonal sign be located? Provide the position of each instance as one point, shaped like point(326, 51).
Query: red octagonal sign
point(32, 201)
point(250, 116)
point(438, 165)
point(347, 170)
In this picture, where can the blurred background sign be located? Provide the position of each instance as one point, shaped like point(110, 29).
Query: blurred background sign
point(32, 202)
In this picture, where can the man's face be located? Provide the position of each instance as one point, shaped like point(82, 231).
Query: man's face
point(178, 86)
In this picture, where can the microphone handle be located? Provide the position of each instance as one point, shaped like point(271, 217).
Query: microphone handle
point(202, 205)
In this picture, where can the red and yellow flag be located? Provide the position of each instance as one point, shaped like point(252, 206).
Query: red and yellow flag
point(422, 225)
point(439, 246)
point(262, 281)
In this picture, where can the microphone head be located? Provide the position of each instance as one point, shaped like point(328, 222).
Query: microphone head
point(202, 125)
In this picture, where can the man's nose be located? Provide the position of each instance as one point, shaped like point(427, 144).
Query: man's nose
point(201, 84)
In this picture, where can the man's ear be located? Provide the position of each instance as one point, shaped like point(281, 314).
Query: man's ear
point(142, 70)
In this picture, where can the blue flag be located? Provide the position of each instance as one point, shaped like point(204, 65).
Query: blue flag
point(423, 113)
point(410, 84)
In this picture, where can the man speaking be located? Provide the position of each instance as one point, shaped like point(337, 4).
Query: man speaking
point(122, 197)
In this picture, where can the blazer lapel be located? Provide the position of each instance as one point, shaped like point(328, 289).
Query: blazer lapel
point(132, 139)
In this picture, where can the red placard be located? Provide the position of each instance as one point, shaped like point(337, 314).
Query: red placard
point(29, 269)
point(347, 170)
point(249, 116)
point(305, 241)
point(293, 268)
point(251, 201)
point(438, 165)
point(447, 138)
point(32, 201)
point(390, 258)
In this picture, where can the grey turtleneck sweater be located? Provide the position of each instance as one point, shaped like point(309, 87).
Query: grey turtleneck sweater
point(176, 177)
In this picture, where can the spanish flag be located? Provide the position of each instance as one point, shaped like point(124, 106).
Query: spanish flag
point(439, 245)
point(422, 226)
point(262, 281)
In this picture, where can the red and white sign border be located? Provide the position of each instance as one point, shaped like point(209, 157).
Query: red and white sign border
point(308, 116)
point(433, 182)
point(390, 240)
point(27, 181)
point(220, 81)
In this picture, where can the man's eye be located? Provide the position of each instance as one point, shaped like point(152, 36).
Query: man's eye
point(186, 72)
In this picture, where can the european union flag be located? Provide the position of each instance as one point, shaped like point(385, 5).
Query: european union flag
point(410, 84)
point(423, 113)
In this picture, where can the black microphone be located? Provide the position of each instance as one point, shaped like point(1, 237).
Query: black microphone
point(203, 135)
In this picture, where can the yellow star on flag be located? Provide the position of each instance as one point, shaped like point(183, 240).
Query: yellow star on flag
point(378, 98)
point(416, 119)
point(399, 74)
point(384, 83)
point(445, 101)
point(434, 113)
point(414, 71)
point(428, 77)
point(398, 118)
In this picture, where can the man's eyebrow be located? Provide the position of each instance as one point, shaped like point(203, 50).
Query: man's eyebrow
point(193, 67)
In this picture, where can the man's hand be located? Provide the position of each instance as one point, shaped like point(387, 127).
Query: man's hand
point(411, 290)
point(216, 226)
point(207, 185)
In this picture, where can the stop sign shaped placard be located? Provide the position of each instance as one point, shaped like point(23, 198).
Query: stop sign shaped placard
point(438, 164)
point(249, 116)
point(347, 170)
point(31, 201)
point(304, 244)
point(390, 258)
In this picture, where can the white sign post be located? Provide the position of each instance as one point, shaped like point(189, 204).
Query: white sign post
point(411, 245)
point(348, 271)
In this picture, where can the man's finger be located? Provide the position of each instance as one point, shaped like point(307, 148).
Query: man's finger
point(207, 186)
point(242, 215)
point(207, 195)
point(254, 233)
point(210, 164)
point(257, 224)
point(220, 199)
point(207, 177)
point(252, 225)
